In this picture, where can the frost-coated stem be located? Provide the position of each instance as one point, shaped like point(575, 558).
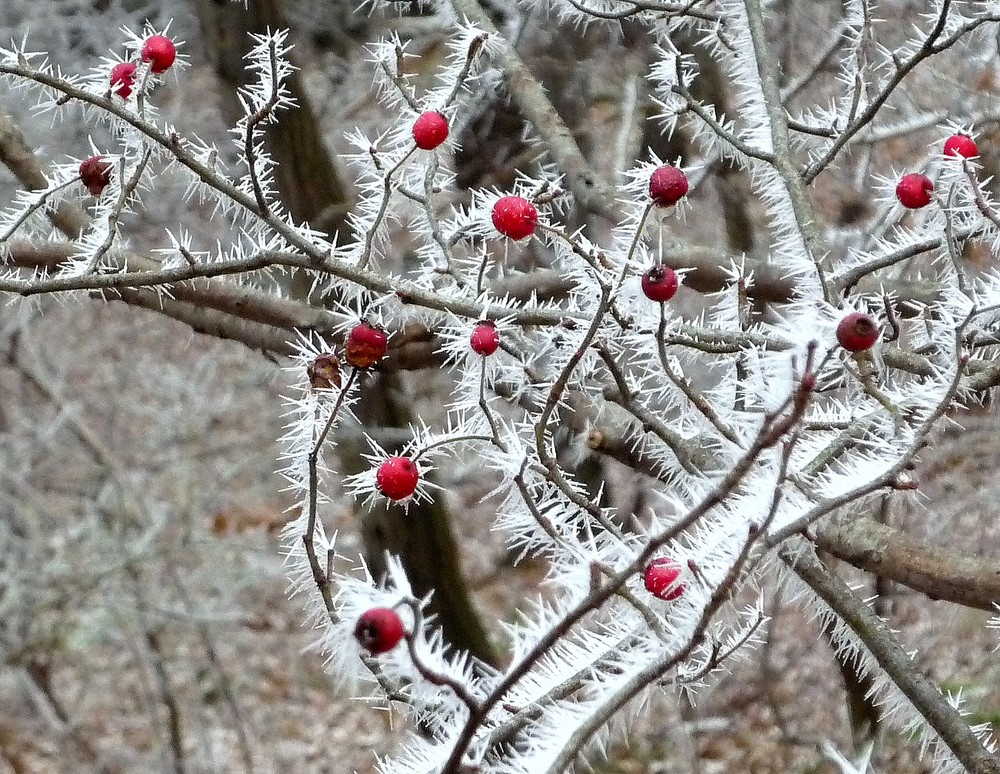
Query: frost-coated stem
point(772, 431)
point(778, 121)
point(945, 719)
point(593, 193)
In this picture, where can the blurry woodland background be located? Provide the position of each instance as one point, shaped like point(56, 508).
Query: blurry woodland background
point(143, 618)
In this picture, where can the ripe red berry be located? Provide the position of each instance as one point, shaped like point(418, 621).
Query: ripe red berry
point(95, 174)
point(857, 332)
point(662, 579)
point(484, 339)
point(914, 191)
point(667, 186)
point(515, 217)
point(365, 345)
point(379, 630)
point(160, 52)
point(397, 478)
point(123, 79)
point(430, 130)
point(960, 145)
point(659, 283)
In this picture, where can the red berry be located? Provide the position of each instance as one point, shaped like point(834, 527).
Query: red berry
point(397, 478)
point(95, 174)
point(123, 79)
point(659, 283)
point(430, 130)
point(960, 145)
point(857, 332)
point(160, 52)
point(365, 345)
point(914, 191)
point(667, 186)
point(484, 339)
point(379, 630)
point(515, 217)
point(662, 579)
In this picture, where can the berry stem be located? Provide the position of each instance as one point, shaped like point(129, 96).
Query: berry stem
point(475, 46)
point(795, 185)
point(366, 253)
point(254, 121)
point(114, 216)
point(981, 204)
point(399, 81)
point(321, 578)
point(39, 203)
point(681, 382)
point(431, 676)
point(638, 232)
point(593, 193)
point(140, 88)
point(449, 440)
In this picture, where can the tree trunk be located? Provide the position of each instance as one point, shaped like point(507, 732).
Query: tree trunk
point(307, 179)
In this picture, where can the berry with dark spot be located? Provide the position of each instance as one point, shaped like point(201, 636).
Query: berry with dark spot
point(857, 332)
point(914, 191)
point(379, 630)
point(659, 283)
point(366, 344)
point(95, 174)
point(324, 372)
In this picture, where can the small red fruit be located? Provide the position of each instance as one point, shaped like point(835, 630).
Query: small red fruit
point(484, 339)
point(160, 52)
point(914, 191)
point(662, 578)
point(379, 630)
point(365, 345)
point(515, 217)
point(659, 283)
point(667, 186)
point(95, 174)
point(857, 332)
point(960, 145)
point(123, 79)
point(397, 478)
point(430, 130)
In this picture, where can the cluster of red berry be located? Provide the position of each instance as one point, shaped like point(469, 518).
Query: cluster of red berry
point(366, 344)
point(160, 52)
point(380, 629)
point(914, 190)
point(858, 332)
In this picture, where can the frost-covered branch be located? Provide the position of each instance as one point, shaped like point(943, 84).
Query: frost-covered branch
point(760, 398)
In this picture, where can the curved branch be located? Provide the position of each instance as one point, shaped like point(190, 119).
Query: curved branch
point(891, 553)
point(878, 638)
point(591, 191)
